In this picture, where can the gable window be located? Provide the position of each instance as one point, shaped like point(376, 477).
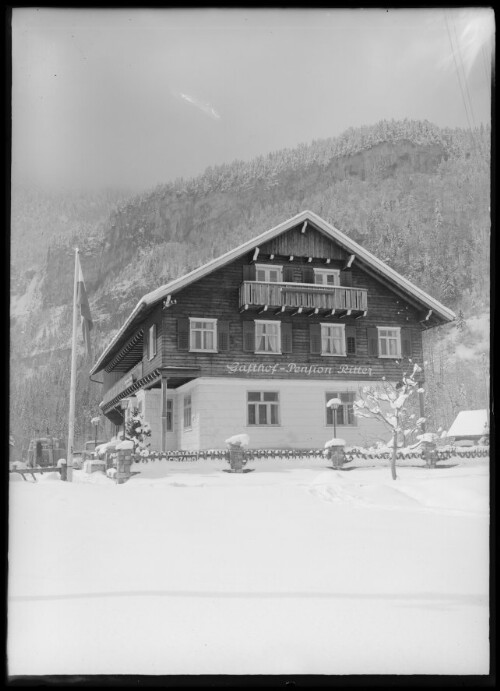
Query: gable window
point(187, 411)
point(263, 407)
point(267, 337)
point(203, 335)
point(268, 273)
point(327, 277)
point(345, 411)
point(389, 342)
point(333, 339)
point(152, 341)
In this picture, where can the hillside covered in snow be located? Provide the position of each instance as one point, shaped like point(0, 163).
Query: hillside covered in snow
point(415, 195)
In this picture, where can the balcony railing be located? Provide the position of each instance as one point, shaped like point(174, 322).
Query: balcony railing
point(123, 383)
point(305, 295)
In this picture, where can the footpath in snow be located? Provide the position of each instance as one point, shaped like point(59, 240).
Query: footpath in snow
point(294, 568)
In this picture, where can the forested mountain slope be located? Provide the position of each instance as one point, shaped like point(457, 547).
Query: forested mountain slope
point(415, 195)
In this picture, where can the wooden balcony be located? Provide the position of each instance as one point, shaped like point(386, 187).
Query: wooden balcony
point(303, 297)
point(127, 380)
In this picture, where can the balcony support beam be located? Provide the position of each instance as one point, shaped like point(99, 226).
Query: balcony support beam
point(291, 258)
point(297, 311)
point(264, 309)
point(314, 312)
point(328, 260)
point(280, 310)
point(242, 309)
point(309, 260)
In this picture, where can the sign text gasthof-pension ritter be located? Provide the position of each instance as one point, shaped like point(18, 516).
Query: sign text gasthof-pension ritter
point(294, 368)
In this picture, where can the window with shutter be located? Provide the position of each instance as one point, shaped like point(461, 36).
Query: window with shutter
point(202, 335)
point(327, 277)
point(333, 339)
point(288, 274)
point(389, 342)
point(268, 273)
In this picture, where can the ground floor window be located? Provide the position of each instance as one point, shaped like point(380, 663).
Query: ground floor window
point(187, 411)
point(345, 411)
point(263, 407)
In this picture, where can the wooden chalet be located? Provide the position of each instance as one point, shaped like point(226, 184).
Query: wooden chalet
point(260, 338)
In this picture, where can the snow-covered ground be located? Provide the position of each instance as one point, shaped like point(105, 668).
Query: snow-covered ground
point(295, 568)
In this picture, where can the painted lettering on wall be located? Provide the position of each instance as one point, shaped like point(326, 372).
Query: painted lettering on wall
point(294, 368)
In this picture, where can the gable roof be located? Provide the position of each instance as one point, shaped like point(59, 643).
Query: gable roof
point(317, 222)
point(473, 423)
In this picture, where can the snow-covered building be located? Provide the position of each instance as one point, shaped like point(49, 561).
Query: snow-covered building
point(259, 339)
point(469, 424)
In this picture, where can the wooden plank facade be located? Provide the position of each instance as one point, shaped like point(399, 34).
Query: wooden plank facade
point(193, 359)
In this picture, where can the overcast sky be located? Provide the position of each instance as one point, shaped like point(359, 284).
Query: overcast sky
point(139, 97)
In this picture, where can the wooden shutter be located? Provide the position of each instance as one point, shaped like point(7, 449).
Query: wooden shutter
point(222, 336)
point(308, 274)
point(372, 336)
point(315, 338)
point(183, 333)
point(288, 274)
point(297, 274)
point(249, 337)
point(350, 339)
point(406, 349)
point(346, 278)
point(286, 337)
point(249, 272)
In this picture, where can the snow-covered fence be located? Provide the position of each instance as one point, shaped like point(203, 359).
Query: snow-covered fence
point(351, 454)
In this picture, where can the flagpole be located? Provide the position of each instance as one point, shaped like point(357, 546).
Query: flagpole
point(72, 389)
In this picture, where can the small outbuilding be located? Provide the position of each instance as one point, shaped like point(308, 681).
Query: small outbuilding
point(469, 424)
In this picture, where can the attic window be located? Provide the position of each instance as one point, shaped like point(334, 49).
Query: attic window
point(330, 277)
point(268, 273)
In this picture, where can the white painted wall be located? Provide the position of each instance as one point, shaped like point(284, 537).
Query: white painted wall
point(220, 410)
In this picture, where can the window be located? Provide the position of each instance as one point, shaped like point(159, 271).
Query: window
point(170, 414)
point(267, 273)
point(267, 337)
point(329, 277)
point(187, 411)
point(389, 342)
point(152, 342)
point(345, 411)
point(263, 407)
point(333, 339)
point(203, 335)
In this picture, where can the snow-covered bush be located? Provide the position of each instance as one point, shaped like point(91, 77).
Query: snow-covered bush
point(137, 430)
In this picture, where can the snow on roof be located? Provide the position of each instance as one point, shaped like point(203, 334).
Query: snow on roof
point(343, 240)
point(469, 423)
